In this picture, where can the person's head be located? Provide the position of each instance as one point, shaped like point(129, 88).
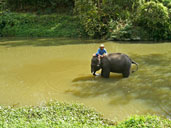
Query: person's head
point(102, 46)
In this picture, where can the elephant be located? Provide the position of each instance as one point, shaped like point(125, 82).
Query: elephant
point(113, 62)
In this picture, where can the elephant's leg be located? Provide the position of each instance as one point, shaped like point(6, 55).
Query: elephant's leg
point(102, 72)
point(105, 73)
point(126, 73)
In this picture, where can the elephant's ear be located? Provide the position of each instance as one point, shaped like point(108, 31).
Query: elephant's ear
point(95, 58)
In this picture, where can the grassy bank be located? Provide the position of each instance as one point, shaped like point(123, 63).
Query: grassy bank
point(67, 25)
point(104, 19)
point(55, 114)
point(31, 25)
point(52, 114)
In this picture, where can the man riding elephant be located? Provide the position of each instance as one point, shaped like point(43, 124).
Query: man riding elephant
point(101, 53)
point(113, 62)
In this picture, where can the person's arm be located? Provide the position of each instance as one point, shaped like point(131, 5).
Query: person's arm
point(105, 51)
point(98, 52)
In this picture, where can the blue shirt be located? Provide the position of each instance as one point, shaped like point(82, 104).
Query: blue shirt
point(101, 52)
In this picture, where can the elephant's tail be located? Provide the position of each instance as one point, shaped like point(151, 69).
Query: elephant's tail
point(133, 62)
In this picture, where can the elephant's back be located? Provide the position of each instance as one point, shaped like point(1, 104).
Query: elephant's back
point(117, 56)
point(119, 60)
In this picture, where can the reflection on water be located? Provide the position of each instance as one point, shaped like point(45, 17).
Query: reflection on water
point(30, 75)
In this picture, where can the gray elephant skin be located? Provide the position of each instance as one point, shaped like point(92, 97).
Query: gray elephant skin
point(113, 62)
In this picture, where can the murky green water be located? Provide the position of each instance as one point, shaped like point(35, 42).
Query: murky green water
point(33, 71)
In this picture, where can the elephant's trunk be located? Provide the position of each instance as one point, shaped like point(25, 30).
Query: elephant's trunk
point(93, 71)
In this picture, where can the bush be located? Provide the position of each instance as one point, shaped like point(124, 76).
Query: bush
point(124, 30)
point(154, 18)
point(167, 3)
point(90, 17)
point(95, 15)
point(63, 115)
point(29, 25)
point(145, 122)
point(52, 115)
point(116, 19)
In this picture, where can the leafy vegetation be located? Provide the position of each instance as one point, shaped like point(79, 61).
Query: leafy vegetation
point(90, 17)
point(145, 122)
point(40, 6)
point(56, 114)
point(53, 114)
point(125, 20)
point(154, 18)
point(124, 30)
point(105, 19)
point(96, 15)
point(30, 25)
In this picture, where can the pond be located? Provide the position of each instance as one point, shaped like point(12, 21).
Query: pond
point(33, 71)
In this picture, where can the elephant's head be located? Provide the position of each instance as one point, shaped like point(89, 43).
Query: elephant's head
point(95, 66)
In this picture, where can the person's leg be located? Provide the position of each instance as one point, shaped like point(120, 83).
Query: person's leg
point(94, 54)
point(98, 60)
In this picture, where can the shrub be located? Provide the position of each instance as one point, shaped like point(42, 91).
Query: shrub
point(124, 30)
point(63, 115)
point(154, 17)
point(90, 17)
point(52, 115)
point(95, 15)
point(145, 122)
point(167, 3)
point(29, 25)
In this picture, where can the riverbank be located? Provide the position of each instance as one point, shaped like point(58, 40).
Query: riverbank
point(32, 25)
point(56, 114)
point(13, 24)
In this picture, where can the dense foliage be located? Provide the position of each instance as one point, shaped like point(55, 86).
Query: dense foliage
point(96, 15)
point(46, 6)
point(55, 114)
point(90, 18)
point(51, 115)
point(154, 18)
point(125, 20)
point(30, 25)
point(107, 19)
point(145, 122)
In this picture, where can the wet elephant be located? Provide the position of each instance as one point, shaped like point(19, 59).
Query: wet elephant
point(113, 62)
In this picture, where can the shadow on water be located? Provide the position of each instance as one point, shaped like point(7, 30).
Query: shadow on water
point(153, 59)
point(90, 86)
point(15, 42)
point(151, 84)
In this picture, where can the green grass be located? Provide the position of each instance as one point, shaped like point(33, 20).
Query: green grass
point(31, 25)
point(63, 115)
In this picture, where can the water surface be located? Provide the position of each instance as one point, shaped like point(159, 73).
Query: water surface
point(33, 71)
